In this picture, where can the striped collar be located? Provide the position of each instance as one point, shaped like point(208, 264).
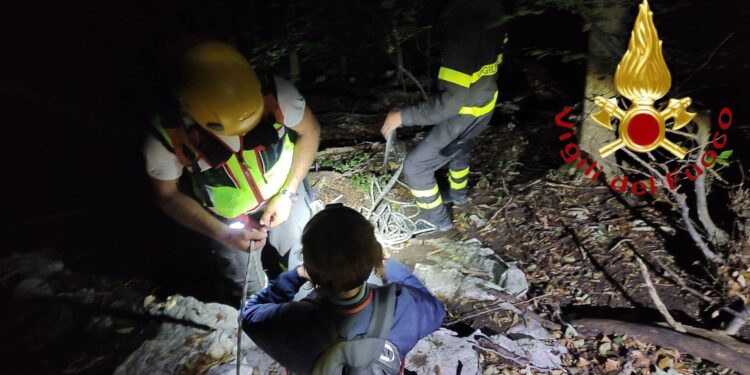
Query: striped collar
point(355, 304)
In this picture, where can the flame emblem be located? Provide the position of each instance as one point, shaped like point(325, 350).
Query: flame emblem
point(642, 76)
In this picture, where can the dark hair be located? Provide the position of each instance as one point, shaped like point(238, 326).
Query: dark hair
point(339, 249)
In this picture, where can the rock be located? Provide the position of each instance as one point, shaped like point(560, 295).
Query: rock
point(529, 328)
point(514, 281)
point(447, 278)
point(476, 289)
point(539, 354)
point(442, 283)
point(38, 264)
point(479, 222)
point(444, 351)
point(31, 289)
point(185, 348)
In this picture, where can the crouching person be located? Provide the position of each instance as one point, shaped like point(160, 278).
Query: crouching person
point(346, 325)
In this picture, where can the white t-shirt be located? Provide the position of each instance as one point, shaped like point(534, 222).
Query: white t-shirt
point(162, 164)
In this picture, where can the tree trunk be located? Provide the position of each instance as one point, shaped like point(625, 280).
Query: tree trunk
point(715, 234)
point(344, 66)
point(607, 43)
point(294, 71)
point(400, 63)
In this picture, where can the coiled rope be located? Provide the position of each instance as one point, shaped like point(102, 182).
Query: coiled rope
point(394, 222)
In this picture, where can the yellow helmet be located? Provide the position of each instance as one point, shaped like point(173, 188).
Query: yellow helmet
point(218, 88)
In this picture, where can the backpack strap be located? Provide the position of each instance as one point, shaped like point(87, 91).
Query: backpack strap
point(381, 320)
point(270, 96)
point(382, 313)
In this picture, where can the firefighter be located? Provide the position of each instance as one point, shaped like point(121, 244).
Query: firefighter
point(246, 142)
point(471, 56)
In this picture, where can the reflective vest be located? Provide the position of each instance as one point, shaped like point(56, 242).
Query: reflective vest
point(235, 182)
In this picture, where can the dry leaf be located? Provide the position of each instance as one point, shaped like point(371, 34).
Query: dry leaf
point(639, 359)
point(611, 365)
point(582, 362)
point(665, 362)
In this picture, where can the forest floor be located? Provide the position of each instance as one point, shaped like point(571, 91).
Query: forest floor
point(576, 240)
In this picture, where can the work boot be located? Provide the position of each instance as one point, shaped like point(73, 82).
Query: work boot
point(457, 197)
point(436, 218)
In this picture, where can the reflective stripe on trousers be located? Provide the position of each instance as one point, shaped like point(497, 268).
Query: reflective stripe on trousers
point(422, 162)
point(458, 179)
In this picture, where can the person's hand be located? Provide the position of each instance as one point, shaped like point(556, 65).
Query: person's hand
point(240, 239)
point(391, 123)
point(387, 252)
point(277, 211)
point(302, 273)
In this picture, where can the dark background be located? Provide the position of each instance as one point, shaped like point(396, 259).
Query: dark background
point(82, 78)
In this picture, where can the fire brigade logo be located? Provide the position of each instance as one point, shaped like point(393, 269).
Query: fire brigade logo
point(643, 78)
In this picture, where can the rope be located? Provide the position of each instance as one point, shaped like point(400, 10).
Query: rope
point(394, 222)
point(250, 268)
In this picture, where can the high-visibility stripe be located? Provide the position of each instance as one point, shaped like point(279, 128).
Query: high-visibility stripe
point(459, 174)
point(479, 111)
point(435, 203)
point(229, 201)
point(457, 185)
point(275, 178)
point(239, 174)
point(454, 76)
point(466, 80)
point(162, 131)
point(425, 193)
point(253, 165)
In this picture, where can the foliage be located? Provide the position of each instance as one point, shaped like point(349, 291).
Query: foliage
point(361, 181)
point(344, 165)
point(722, 159)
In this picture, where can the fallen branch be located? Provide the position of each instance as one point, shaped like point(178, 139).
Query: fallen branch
point(739, 320)
point(695, 346)
point(622, 241)
point(681, 201)
point(657, 300)
point(719, 337)
point(671, 275)
point(507, 302)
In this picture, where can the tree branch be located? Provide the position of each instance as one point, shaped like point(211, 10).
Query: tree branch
point(657, 300)
point(681, 201)
point(696, 346)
